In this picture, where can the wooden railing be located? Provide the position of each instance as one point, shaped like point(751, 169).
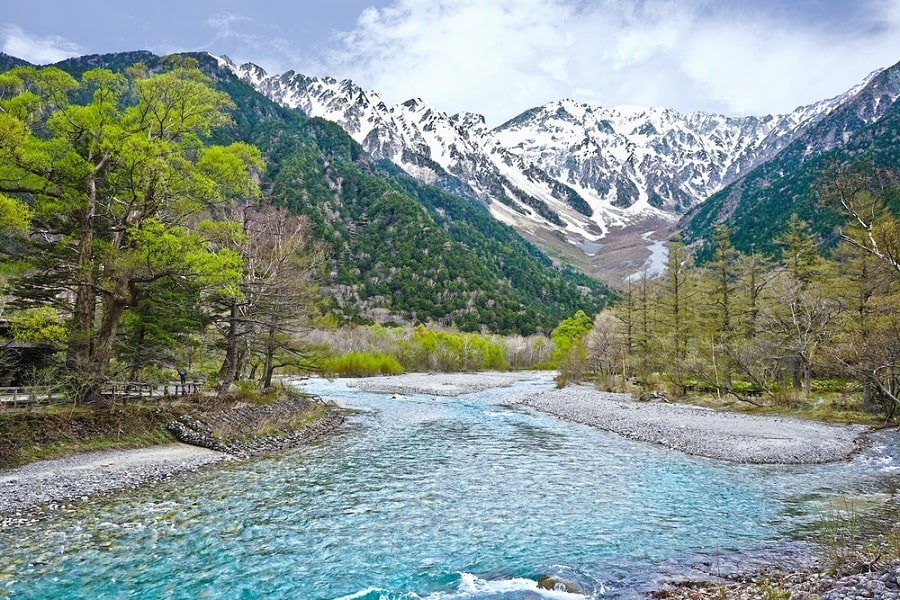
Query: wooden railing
point(187, 388)
point(128, 389)
point(37, 394)
point(125, 390)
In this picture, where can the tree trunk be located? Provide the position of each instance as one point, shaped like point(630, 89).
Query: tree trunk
point(807, 378)
point(229, 367)
point(270, 358)
point(870, 396)
point(79, 351)
point(796, 374)
point(136, 366)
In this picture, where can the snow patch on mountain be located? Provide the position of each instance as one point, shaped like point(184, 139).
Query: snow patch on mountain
point(569, 168)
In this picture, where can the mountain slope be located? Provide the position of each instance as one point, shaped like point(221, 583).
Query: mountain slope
point(757, 206)
point(565, 174)
point(402, 251)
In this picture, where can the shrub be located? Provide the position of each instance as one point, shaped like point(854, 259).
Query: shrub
point(361, 364)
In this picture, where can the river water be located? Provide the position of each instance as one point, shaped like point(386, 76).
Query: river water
point(440, 498)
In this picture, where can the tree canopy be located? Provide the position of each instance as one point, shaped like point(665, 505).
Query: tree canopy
point(110, 176)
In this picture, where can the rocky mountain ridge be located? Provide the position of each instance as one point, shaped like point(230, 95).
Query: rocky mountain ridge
point(567, 175)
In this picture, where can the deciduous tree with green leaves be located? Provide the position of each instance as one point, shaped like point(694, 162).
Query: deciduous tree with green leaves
point(869, 348)
point(115, 173)
point(570, 347)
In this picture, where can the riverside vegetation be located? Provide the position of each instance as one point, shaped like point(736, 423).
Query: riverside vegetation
point(160, 214)
point(816, 319)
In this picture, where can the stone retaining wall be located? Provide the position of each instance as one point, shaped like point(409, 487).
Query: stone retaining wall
point(243, 419)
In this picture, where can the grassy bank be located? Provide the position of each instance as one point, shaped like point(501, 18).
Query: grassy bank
point(837, 408)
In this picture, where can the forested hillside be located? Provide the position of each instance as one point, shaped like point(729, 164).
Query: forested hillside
point(757, 207)
point(400, 251)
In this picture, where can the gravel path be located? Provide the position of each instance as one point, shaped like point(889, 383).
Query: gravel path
point(76, 477)
point(722, 435)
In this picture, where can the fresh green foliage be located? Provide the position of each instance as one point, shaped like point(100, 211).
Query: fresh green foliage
point(41, 325)
point(361, 364)
point(430, 349)
point(15, 216)
point(114, 171)
point(364, 350)
point(569, 346)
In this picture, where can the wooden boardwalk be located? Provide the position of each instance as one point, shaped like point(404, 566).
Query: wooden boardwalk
point(123, 390)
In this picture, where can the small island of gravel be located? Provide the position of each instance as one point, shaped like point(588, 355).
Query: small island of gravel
point(444, 384)
point(717, 434)
point(76, 477)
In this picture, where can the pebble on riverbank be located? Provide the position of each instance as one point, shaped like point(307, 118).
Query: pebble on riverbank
point(881, 582)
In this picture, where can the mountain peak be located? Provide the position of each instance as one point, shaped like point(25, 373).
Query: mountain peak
point(565, 168)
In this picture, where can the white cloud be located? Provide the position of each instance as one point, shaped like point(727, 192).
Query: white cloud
point(37, 50)
point(499, 57)
point(250, 39)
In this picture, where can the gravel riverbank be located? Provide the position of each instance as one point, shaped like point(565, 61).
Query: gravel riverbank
point(49, 483)
point(717, 434)
point(42, 486)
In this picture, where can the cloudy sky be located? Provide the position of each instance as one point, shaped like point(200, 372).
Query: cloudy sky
point(500, 57)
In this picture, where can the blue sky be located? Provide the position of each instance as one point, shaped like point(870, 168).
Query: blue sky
point(501, 57)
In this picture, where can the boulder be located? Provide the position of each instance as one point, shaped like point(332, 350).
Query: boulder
point(558, 584)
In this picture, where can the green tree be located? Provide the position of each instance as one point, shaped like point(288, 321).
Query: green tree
point(802, 312)
point(717, 332)
point(569, 352)
point(800, 254)
point(116, 174)
point(607, 349)
point(747, 351)
point(675, 312)
point(869, 343)
point(276, 296)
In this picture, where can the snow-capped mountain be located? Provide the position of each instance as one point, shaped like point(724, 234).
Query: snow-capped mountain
point(566, 169)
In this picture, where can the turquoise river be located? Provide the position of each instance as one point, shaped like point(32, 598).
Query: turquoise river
point(473, 497)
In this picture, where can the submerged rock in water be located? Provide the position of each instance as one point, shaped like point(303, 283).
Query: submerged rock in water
point(558, 584)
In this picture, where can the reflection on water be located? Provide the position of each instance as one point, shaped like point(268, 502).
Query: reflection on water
point(425, 497)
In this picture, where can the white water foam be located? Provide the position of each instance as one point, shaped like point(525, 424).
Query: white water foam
point(472, 585)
